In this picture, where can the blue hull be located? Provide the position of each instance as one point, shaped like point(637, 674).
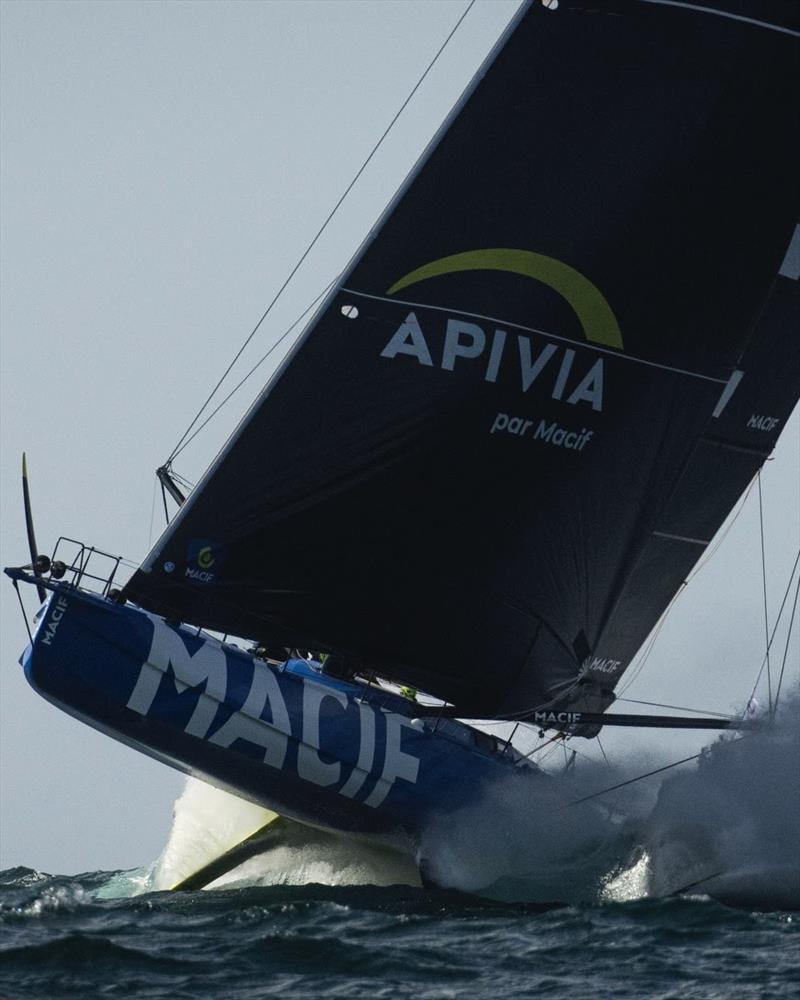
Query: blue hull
point(337, 755)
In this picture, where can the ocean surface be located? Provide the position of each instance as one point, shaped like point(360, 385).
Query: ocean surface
point(60, 940)
point(685, 888)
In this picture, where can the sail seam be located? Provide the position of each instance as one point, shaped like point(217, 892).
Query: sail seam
point(680, 538)
point(541, 333)
point(744, 449)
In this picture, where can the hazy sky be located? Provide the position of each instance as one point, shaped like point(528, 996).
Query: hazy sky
point(164, 166)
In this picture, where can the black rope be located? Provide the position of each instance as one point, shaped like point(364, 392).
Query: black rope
point(320, 231)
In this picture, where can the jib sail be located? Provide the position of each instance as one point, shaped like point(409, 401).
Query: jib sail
point(513, 428)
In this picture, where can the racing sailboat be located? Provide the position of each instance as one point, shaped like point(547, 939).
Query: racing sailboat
point(502, 442)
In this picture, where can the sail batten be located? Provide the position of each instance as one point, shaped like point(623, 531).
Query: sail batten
point(495, 321)
point(515, 424)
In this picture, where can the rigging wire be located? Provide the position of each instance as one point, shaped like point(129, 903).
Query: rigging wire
point(181, 480)
point(777, 622)
point(130, 563)
point(677, 708)
point(712, 552)
point(24, 615)
point(645, 654)
point(581, 753)
point(320, 231)
point(767, 639)
point(242, 381)
point(602, 751)
point(152, 515)
point(553, 742)
point(658, 770)
point(786, 647)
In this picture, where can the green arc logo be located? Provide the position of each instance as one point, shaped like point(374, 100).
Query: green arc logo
point(587, 301)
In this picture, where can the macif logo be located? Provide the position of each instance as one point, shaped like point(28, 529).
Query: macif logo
point(202, 556)
point(205, 557)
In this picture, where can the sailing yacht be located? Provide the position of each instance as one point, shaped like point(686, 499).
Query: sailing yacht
point(503, 440)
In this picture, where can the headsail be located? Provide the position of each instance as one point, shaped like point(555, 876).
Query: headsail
point(508, 434)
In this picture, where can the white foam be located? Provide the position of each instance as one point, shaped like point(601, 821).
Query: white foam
point(206, 823)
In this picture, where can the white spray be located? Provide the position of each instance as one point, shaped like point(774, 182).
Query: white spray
point(727, 826)
point(730, 828)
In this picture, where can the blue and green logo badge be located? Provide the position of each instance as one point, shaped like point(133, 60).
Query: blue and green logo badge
point(203, 559)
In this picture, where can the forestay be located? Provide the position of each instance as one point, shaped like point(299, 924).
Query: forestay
point(510, 432)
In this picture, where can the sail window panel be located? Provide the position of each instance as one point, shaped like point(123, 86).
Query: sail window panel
point(713, 481)
point(662, 567)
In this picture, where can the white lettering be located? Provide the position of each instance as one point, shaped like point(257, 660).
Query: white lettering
point(591, 387)
point(248, 724)
point(59, 608)
point(264, 721)
point(397, 763)
point(600, 665)
point(206, 665)
point(761, 423)
point(199, 574)
point(464, 339)
point(454, 347)
point(518, 426)
point(500, 423)
point(557, 718)
point(561, 436)
point(495, 355)
point(310, 765)
point(409, 339)
point(366, 752)
point(532, 370)
point(563, 373)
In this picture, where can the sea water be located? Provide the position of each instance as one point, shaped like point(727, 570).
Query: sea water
point(324, 916)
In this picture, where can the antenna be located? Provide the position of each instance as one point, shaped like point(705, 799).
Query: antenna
point(39, 564)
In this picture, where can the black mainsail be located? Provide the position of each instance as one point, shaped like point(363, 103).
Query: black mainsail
point(543, 382)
